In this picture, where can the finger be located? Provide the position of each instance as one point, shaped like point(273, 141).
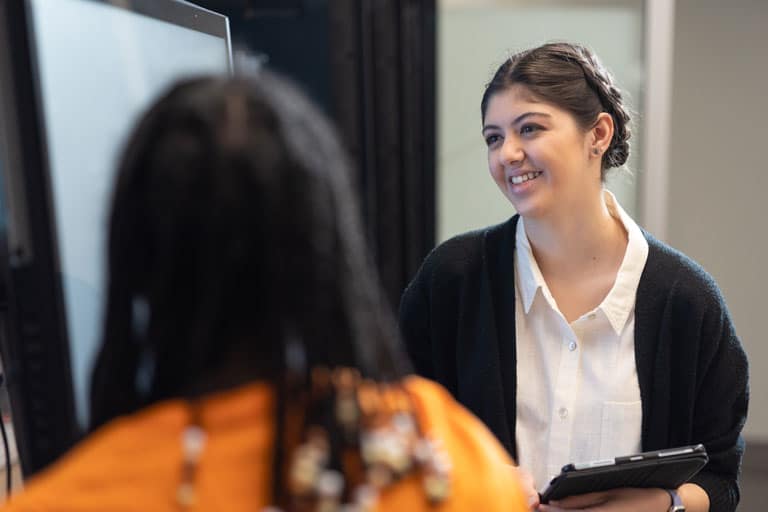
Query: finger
point(526, 483)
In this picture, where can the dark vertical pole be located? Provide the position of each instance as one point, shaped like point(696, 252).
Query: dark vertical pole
point(383, 82)
point(388, 114)
point(418, 131)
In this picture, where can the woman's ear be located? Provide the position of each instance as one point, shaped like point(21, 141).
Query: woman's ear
point(602, 132)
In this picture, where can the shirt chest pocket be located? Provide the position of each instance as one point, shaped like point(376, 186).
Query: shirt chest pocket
point(620, 429)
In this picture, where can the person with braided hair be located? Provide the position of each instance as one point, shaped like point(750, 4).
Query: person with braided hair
point(571, 332)
point(249, 362)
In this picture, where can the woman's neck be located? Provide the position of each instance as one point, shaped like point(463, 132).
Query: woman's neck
point(578, 239)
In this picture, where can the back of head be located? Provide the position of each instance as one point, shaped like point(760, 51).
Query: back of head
point(572, 78)
point(234, 240)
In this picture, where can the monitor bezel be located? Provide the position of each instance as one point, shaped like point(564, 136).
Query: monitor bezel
point(35, 339)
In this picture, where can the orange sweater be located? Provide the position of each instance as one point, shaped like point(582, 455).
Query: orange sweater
point(134, 463)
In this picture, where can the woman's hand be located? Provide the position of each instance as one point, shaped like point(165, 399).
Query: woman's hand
point(615, 500)
point(529, 490)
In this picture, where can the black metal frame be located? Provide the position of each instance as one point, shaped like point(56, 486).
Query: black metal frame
point(34, 338)
point(179, 13)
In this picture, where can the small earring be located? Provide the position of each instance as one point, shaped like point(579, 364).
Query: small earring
point(596, 151)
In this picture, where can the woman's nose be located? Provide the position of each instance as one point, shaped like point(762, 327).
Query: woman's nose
point(511, 152)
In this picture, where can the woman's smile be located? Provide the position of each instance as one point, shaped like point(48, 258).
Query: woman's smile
point(521, 178)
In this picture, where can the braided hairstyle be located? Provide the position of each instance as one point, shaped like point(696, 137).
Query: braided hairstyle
point(572, 78)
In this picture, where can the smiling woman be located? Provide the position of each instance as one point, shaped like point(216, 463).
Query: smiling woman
point(526, 137)
point(574, 334)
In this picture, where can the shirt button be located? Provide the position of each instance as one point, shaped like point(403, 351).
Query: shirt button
point(572, 346)
point(592, 316)
point(563, 412)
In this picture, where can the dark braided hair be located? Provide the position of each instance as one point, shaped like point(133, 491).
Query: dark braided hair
point(235, 253)
point(572, 78)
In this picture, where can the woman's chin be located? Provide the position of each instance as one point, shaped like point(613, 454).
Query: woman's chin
point(529, 209)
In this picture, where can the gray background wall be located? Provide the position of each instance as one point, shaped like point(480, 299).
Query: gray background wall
point(718, 166)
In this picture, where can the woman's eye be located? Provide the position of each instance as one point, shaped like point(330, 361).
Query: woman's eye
point(491, 140)
point(527, 129)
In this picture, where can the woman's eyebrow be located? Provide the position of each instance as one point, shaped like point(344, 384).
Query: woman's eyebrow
point(516, 121)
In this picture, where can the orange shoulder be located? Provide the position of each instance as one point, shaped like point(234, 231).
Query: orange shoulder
point(102, 470)
point(482, 474)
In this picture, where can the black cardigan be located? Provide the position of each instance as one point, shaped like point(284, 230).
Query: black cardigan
point(458, 320)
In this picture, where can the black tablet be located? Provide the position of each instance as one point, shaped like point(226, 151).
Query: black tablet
point(666, 469)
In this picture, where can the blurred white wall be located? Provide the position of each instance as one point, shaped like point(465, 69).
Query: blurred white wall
point(718, 170)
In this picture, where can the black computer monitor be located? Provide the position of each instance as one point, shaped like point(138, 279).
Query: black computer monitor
point(74, 77)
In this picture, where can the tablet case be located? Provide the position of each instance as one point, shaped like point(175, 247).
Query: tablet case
point(665, 469)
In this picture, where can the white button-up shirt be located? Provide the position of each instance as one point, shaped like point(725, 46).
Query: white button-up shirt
point(578, 398)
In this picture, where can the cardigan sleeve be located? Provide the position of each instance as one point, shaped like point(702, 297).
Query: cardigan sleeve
point(720, 410)
point(431, 306)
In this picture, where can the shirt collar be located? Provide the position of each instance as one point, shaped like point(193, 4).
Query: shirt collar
point(620, 301)
point(529, 275)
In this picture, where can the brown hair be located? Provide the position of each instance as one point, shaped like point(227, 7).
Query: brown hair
point(570, 77)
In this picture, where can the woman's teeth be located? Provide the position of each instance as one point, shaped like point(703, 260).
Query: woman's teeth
point(516, 180)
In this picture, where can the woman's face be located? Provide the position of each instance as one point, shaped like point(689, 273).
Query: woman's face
point(538, 155)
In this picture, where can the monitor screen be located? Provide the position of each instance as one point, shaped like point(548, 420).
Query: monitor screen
point(75, 75)
point(99, 67)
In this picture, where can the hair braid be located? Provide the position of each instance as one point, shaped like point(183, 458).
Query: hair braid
point(601, 81)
